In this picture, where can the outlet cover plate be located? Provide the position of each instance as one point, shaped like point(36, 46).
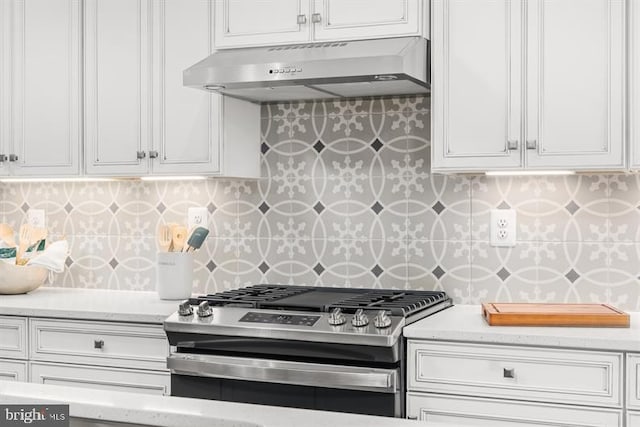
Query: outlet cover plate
point(36, 218)
point(503, 228)
point(197, 217)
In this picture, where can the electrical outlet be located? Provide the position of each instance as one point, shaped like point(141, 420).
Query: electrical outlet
point(36, 218)
point(503, 227)
point(197, 217)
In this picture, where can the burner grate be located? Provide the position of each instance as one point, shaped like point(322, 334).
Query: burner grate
point(251, 296)
point(399, 303)
point(403, 303)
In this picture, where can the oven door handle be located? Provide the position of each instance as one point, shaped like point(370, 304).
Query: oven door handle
point(284, 372)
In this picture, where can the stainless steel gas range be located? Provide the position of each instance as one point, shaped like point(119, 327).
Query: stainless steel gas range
point(335, 349)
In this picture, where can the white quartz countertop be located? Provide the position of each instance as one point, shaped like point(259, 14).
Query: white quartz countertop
point(170, 411)
point(465, 323)
point(92, 304)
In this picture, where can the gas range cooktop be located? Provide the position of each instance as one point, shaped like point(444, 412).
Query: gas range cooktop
point(323, 299)
point(306, 313)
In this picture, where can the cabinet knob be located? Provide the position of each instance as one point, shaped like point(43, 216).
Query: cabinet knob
point(3, 158)
point(512, 144)
point(302, 19)
point(532, 144)
point(140, 155)
point(315, 18)
point(13, 157)
point(508, 373)
point(98, 344)
point(153, 154)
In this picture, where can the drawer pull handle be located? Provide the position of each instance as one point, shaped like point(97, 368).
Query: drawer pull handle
point(98, 344)
point(509, 373)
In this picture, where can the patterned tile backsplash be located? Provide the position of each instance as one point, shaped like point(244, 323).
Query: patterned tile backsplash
point(347, 199)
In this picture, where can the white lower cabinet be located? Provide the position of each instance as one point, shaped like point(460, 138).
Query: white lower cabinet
point(470, 411)
point(100, 355)
point(498, 385)
point(13, 370)
point(633, 419)
point(13, 348)
point(100, 377)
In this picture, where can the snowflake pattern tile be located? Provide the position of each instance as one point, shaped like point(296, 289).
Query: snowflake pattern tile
point(347, 198)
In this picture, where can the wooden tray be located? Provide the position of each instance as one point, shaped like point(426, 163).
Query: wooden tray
point(540, 314)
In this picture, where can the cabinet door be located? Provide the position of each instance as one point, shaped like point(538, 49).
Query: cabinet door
point(45, 92)
point(366, 19)
point(468, 411)
point(186, 122)
point(633, 419)
point(575, 84)
point(13, 370)
point(476, 84)
point(261, 22)
point(4, 86)
point(117, 87)
point(634, 82)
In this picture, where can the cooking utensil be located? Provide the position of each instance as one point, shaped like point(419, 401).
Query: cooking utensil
point(164, 238)
point(36, 237)
point(178, 237)
point(24, 236)
point(197, 238)
point(7, 235)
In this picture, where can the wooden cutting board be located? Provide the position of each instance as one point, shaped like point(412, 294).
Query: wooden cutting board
point(542, 314)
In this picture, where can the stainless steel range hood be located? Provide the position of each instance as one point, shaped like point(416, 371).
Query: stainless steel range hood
point(396, 66)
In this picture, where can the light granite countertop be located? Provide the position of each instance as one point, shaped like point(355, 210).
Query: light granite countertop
point(170, 411)
point(465, 323)
point(90, 304)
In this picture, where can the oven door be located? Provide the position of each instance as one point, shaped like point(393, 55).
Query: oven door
point(373, 391)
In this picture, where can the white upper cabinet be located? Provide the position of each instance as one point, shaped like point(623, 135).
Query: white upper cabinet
point(634, 82)
point(186, 122)
point(575, 84)
point(117, 86)
point(4, 87)
point(42, 92)
point(476, 84)
point(140, 119)
point(566, 56)
point(366, 19)
point(241, 23)
point(260, 22)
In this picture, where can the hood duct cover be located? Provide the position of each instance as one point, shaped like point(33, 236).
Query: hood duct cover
point(395, 66)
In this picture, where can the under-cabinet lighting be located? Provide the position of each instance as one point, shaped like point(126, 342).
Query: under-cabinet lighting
point(528, 173)
point(9, 180)
point(173, 178)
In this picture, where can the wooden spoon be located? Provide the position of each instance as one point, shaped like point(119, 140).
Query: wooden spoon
point(179, 237)
point(7, 234)
point(24, 237)
point(164, 238)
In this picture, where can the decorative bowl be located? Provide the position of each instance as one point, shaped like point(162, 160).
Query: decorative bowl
point(17, 279)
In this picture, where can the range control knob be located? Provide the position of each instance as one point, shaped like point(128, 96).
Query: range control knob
point(184, 309)
point(204, 310)
point(382, 320)
point(359, 319)
point(336, 318)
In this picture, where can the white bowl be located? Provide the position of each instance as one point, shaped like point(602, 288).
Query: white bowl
point(18, 279)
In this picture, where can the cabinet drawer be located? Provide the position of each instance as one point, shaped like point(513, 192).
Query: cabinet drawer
point(548, 375)
point(470, 411)
point(633, 381)
point(13, 337)
point(13, 370)
point(99, 343)
point(102, 378)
